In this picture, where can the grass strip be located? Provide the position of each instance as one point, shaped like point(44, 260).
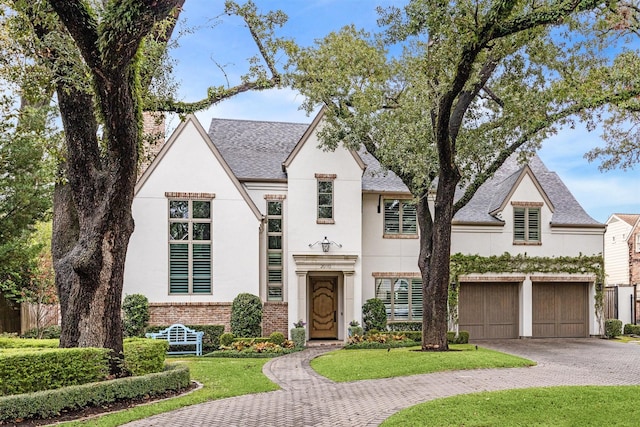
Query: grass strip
point(353, 365)
point(549, 406)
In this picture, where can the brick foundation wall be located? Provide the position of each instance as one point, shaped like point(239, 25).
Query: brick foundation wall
point(274, 315)
point(190, 313)
point(275, 318)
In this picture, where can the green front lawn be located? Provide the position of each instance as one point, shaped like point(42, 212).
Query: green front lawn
point(352, 365)
point(552, 406)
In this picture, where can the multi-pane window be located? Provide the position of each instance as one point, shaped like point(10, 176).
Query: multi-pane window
point(638, 242)
point(189, 246)
point(402, 297)
point(325, 199)
point(526, 224)
point(400, 217)
point(274, 250)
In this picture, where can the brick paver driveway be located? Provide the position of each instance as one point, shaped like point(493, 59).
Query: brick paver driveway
point(306, 399)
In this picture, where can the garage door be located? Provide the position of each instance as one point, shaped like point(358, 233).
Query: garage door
point(489, 310)
point(560, 310)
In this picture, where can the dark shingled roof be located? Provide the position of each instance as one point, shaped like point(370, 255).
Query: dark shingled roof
point(255, 151)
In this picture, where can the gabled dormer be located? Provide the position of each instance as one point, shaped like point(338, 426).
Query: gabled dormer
point(325, 191)
point(522, 203)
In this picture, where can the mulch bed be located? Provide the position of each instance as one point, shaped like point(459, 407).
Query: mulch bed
point(103, 409)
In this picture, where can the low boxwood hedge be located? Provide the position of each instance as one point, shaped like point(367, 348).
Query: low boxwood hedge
point(144, 356)
point(48, 403)
point(630, 329)
point(29, 371)
point(612, 328)
point(463, 336)
point(6, 342)
point(404, 326)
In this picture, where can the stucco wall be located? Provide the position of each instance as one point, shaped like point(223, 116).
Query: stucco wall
point(190, 166)
point(301, 213)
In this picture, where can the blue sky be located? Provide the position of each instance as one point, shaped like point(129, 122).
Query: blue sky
point(227, 43)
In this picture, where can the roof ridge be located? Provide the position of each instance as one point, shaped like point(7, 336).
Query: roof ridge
point(259, 121)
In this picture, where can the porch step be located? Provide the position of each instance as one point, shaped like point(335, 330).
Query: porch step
point(322, 343)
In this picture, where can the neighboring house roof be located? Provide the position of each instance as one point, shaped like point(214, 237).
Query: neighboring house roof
point(257, 150)
point(631, 219)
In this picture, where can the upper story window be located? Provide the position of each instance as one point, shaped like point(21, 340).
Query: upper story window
point(400, 218)
point(325, 198)
point(275, 232)
point(190, 270)
point(638, 242)
point(526, 224)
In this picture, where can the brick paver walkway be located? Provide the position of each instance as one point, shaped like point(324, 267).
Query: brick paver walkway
point(307, 399)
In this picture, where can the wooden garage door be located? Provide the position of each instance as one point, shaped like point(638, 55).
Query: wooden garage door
point(489, 310)
point(560, 310)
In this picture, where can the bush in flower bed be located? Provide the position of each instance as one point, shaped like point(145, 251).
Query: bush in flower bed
point(254, 347)
point(630, 329)
point(50, 403)
point(379, 340)
point(144, 356)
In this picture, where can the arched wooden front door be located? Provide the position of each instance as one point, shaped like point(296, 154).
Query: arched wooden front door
point(324, 307)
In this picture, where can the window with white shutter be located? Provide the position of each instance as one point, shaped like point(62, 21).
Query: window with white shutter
point(526, 224)
point(190, 270)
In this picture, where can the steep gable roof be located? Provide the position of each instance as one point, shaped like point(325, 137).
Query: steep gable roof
point(192, 120)
point(257, 151)
point(312, 127)
point(495, 191)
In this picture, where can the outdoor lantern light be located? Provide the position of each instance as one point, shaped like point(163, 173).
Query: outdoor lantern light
point(325, 244)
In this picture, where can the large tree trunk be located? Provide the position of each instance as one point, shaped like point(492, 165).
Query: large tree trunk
point(92, 211)
point(435, 272)
point(92, 218)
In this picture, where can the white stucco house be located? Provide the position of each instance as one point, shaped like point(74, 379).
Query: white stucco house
point(257, 207)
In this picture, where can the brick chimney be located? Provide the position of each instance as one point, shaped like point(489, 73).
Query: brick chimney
point(153, 130)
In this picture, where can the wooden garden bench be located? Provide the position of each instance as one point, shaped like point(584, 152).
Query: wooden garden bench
point(178, 334)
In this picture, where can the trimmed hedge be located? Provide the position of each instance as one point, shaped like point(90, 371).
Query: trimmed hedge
point(463, 336)
point(246, 316)
point(210, 339)
point(31, 371)
point(368, 345)
point(28, 343)
point(50, 403)
point(144, 356)
point(48, 332)
point(612, 328)
point(404, 326)
point(630, 329)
